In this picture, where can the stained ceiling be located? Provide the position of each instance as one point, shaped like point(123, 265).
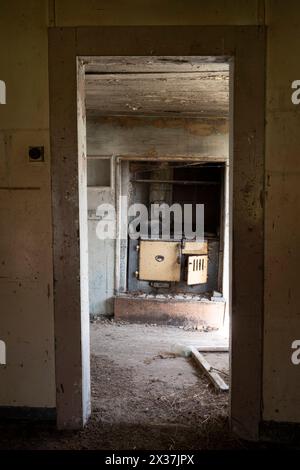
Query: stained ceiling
point(160, 86)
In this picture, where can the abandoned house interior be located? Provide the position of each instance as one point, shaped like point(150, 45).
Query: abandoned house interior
point(158, 133)
point(149, 242)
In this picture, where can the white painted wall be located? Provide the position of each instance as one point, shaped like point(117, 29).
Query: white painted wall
point(101, 256)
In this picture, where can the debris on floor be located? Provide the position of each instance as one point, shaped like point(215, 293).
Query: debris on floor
point(144, 396)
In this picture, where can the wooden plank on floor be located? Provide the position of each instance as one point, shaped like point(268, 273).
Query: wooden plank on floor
point(208, 370)
point(213, 349)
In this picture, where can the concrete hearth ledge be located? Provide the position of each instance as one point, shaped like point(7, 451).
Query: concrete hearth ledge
point(203, 313)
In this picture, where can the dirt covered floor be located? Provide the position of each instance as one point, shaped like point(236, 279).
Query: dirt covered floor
point(145, 395)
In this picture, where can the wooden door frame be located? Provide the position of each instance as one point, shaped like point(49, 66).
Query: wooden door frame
point(246, 45)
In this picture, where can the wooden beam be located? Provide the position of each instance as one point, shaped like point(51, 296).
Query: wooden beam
point(208, 370)
point(152, 93)
point(165, 64)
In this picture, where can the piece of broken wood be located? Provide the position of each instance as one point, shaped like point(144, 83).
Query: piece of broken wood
point(213, 349)
point(209, 371)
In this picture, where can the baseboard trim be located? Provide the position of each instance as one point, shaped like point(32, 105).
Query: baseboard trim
point(286, 433)
point(27, 413)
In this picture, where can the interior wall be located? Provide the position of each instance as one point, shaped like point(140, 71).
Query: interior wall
point(151, 136)
point(282, 226)
point(26, 276)
point(101, 254)
point(26, 321)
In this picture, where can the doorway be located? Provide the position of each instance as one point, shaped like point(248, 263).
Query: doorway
point(158, 205)
point(70, 237)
